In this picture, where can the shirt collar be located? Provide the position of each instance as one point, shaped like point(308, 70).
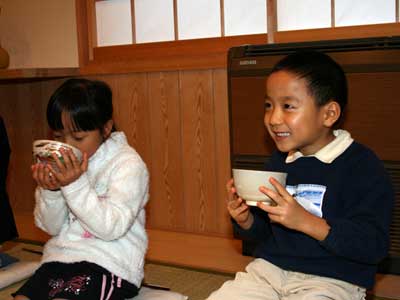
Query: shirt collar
point(330, 152)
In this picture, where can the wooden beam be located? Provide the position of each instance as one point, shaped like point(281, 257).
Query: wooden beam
point(82, 32)
point(222, 16)
point(272, 23)
point(333, 16)
point(176, 26)
point(133, 20)
point(91, 26)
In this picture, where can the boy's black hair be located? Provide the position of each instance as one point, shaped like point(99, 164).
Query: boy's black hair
point(88, 103)
point(325, 77)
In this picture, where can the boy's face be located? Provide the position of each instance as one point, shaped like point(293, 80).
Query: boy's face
point(292, 117)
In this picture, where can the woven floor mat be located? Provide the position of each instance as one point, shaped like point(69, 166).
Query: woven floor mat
point(197, 284)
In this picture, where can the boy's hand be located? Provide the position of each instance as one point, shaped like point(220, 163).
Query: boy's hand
point(70, 169)
point(237, 208)
point(291, 214)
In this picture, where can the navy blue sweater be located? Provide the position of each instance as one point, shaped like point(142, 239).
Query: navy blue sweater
point(356, 201)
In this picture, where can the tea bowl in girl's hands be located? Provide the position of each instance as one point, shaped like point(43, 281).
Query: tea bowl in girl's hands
point(43, 152)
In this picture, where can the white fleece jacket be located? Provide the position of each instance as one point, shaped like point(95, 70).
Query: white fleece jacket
point(100, 217)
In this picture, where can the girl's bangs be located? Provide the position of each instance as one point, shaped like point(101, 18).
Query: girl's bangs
point(80, 116)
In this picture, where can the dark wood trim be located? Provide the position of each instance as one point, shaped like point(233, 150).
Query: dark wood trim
point(222, 16)
point(133, 21)
point(272, 23)
point(82, 32)
point(8, 75)
point(163, 56)
point(176, 27)
point(345, 32)
point(211, 52)
point(91, 26)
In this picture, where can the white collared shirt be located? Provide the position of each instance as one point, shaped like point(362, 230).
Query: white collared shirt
point(331, 151)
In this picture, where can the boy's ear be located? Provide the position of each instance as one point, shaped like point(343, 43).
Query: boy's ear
point(108, 128)
point(332, 113)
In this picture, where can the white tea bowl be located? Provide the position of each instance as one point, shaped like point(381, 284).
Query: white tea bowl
point(43, 150)
point(248, 182)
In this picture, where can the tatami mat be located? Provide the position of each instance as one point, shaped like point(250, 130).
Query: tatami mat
point(197, 284)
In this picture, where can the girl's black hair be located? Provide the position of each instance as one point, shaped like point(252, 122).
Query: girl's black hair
point(87, 102)
point(325, 77)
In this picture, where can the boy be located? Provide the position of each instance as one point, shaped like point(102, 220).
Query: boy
point(330, 227)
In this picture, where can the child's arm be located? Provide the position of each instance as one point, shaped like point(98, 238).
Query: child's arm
point(237, 208)
point(247, 224)
point(111, 214)
point(50, 209)
point(291, 214)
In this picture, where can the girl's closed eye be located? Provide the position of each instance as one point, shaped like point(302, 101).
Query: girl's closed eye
point(78, 136)
point(57, 136)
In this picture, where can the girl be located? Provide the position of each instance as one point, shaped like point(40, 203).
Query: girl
point(94, 209)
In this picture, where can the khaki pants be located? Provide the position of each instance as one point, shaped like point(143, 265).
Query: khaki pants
point(265, 281)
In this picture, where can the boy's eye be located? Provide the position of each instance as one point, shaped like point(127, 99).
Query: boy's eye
point(267, 105)
point(288, 106)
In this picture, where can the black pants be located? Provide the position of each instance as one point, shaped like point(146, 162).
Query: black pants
point(76, 281)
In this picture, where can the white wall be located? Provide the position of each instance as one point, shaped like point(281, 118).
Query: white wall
point(39, 33)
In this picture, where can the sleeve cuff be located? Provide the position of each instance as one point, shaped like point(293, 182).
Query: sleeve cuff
point(50, 195)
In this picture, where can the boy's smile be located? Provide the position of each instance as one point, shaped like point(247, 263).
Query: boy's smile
point(292, 117)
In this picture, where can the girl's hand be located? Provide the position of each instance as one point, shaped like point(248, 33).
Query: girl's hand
point(70, 169)
point(291, 214)
point(44, 177)
point(237, 208)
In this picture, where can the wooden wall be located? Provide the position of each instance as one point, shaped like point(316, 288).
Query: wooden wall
point(177, 121)
point(22, 107)
point(370, 116)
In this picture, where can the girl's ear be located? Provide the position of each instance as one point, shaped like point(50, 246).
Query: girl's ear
point(332, 113)
point(107, 128)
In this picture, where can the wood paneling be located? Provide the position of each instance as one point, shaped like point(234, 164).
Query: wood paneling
point(222, 149)
point(166, 208)
point(131, 110)
point(177, 121)
point(23, 107)
point(198, 158)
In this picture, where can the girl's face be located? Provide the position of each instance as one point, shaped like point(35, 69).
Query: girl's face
point(86, 141)
point(292, 117)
